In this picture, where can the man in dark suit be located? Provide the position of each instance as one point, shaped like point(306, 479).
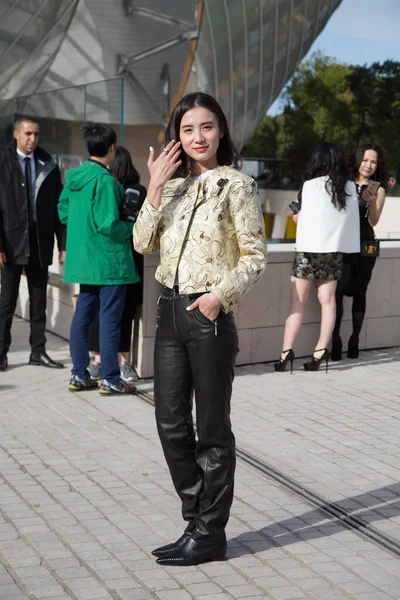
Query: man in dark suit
point(30, 184)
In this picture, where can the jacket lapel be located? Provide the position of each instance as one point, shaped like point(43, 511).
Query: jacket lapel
point(43, 170)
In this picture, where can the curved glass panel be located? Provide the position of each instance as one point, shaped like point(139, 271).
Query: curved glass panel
point(206, 66)
point(284, 19)
point(30, 34)
point(254, 34)
point(269, 42)
point(249, 49)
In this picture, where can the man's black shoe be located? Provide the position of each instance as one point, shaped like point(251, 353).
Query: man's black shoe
point(41, 359)
point(3, 364)
point(168, 547)
point(192, 552)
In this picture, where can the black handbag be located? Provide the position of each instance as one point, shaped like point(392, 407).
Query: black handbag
point(370, 248)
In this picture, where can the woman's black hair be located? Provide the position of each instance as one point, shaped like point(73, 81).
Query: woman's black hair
point(355, 160)
point(329, 160)
point(227, 153)
point(123, 169)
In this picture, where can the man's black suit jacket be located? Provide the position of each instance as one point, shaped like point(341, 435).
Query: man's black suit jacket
point(14, 216)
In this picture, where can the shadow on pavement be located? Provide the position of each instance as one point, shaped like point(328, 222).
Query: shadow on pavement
point(371, 507)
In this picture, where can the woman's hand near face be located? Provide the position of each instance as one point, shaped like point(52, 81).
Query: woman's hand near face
point(161, 170)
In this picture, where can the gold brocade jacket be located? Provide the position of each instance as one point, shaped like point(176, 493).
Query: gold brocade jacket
point(210, 235)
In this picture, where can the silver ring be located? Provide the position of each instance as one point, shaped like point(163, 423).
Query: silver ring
point(165, 150)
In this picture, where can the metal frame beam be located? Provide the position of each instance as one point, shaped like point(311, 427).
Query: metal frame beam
point(125, 61)
point(139, 11)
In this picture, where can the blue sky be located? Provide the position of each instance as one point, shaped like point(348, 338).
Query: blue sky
point(360, 32)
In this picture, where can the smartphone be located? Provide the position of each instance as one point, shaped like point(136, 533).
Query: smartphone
point(373, 186)
point(295, 207)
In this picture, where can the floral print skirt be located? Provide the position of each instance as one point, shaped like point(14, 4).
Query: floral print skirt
point(326, 266)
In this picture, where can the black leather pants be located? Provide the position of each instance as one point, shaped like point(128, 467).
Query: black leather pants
point(193, 353)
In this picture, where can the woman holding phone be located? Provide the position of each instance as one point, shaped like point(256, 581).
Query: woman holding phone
point(368, 169)
point(327, 226)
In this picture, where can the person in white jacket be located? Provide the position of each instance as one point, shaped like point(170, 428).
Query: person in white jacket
point(327, 227)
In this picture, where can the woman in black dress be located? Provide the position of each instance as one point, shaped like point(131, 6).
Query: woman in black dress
point(368, 163)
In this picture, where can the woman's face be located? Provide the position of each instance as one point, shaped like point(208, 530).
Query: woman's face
point(369, 164)
point(200, 134)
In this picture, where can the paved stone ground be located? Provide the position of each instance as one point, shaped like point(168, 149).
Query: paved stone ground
point(85, 494)
point(337, 433)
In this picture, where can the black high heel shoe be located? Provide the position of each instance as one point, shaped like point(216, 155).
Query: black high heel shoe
point(336, 352)
point(280, 366)
point(352, 349)
point(313, 363)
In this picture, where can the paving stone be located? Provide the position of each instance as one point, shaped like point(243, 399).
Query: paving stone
point(174, 595)
point(134, 595)
point(85, 494)
point(10, 591)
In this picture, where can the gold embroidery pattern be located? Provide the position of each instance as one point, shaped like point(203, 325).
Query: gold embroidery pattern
point(210, 235)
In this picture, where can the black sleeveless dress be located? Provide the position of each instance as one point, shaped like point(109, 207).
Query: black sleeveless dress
point(357, 269)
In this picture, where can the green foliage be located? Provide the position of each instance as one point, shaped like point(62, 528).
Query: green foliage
point(330, 101)
point(264, 140)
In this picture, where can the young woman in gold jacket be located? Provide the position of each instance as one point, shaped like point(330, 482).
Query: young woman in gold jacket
point(208, 225)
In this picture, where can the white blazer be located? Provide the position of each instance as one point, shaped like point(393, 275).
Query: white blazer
point(322, 227)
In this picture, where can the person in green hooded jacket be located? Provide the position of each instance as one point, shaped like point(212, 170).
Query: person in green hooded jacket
point(98, 257)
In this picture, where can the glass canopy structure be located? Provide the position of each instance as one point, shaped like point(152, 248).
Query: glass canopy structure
point(241, 51)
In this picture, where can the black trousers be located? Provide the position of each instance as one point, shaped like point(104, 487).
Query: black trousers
point(356, 275)
point(10, 277)
point(193, 353)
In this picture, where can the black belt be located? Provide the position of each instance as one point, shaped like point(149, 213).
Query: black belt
point(173, 294)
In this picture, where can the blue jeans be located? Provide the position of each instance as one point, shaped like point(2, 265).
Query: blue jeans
point(109, 300)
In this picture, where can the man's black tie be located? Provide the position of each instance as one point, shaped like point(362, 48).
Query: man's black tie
point(28, 188)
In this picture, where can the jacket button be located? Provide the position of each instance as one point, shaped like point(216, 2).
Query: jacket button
point(23, 185)
point(208, 260)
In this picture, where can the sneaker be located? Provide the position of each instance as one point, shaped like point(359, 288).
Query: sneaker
point(108, 389)
point(77, 384)
point(128, 373)
point(94, 371)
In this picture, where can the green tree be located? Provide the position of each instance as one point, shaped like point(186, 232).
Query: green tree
point(377, 93)
point(264, 142)
point(330, 101)
point(318, 106)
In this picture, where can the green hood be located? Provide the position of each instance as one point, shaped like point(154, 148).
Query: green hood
point(77, 179)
